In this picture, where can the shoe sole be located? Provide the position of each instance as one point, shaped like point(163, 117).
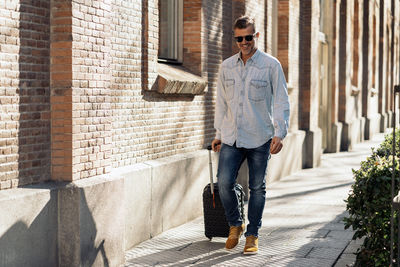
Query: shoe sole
point(250, 252)
point(230, 249)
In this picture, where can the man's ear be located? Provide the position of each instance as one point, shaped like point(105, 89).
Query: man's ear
point(257, 34)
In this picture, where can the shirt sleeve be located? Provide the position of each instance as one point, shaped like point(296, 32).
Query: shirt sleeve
point(220, 107)
point(281, 108)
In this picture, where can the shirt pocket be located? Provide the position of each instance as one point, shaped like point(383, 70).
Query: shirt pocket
point(258, 90)
point(229, 88)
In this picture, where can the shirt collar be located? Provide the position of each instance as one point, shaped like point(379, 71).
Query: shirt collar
point(253, 58)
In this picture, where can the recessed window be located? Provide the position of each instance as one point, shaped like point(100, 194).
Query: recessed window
point(171, 31)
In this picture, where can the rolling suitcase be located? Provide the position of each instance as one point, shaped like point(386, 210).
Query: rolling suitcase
point(215, 223)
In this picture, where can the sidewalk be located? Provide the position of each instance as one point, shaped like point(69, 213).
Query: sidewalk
point(302, 224)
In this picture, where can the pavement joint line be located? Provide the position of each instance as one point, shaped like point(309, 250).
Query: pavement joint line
point(327, 233)
point(340, 255)
point(183, 247)
point(308, 253)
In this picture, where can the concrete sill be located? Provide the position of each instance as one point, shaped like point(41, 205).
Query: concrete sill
point(175, 79)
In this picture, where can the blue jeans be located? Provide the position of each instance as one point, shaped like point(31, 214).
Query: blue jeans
point(230, 160)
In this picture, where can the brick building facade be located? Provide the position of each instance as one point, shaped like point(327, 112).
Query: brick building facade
point(91, 114)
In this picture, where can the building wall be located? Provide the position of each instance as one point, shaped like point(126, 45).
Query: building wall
point(294, 68)
point(102, 59)
point(24, 92)
point(78, 105)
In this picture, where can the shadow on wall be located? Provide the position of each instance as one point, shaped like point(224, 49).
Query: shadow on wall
point(88, 231)
point(35, 238)
point(30, 215)
point(29, 242)
point(34, 93)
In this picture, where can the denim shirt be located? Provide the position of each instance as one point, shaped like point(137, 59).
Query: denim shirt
point(252, 101)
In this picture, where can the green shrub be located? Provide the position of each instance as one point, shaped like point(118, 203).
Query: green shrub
point(369, 205)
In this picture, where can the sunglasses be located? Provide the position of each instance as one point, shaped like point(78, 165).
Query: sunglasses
point(248, 38)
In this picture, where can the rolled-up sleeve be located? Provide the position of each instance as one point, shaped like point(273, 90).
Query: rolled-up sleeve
point(220, 107)
point(281, 106)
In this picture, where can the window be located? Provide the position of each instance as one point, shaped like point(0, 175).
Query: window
point(322, 15)
point(171, 31)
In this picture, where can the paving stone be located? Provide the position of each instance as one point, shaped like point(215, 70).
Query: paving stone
point(325, 253)
point(346, 260)
point(352, 248)
point(334, 226)
point(298, 262)
point(342, 235)
point(359, 241)
point(328, 243)
point(300, 233)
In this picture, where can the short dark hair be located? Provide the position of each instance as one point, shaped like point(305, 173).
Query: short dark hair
point(243, 22)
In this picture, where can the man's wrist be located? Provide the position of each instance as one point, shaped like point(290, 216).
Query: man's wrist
point(280, 136)
point(218, 135)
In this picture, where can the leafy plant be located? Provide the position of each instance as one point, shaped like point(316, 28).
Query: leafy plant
point(369, 205)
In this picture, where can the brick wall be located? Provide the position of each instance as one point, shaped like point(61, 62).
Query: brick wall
point(216, 37)
point(366, 58)
point(271, 7)
point(381, 55)
point(335, 65)
point(315, 66)
point(192, 41)
point(342, 59)
point(283, 35)
point(293, 66)
point(287, 48)
point(103, 55)
point(80, 81)
point(24, 93)
point(147, 125)
point(256, 9)
point(126, 82)
point(91, 100)
point(305, 62)
point(238, 9)
point(356, 44)
point(61, 87)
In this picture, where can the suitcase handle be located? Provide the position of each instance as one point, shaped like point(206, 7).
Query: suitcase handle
point(211, 169)
point(211, 174)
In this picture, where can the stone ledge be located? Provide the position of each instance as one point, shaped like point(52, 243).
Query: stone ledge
point(175, 79)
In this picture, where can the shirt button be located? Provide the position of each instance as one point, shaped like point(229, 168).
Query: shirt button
point(241, 92)
point(240, 104)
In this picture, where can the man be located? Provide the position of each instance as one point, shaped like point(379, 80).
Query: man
point(251, 120)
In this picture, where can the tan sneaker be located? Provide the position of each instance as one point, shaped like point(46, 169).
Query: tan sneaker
point(234, 234)
point(251, 246)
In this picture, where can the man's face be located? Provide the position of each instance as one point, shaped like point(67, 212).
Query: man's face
point(245, 46)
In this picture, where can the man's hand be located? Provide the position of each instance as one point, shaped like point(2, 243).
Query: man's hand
point(276, 145)
point(216, 145)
